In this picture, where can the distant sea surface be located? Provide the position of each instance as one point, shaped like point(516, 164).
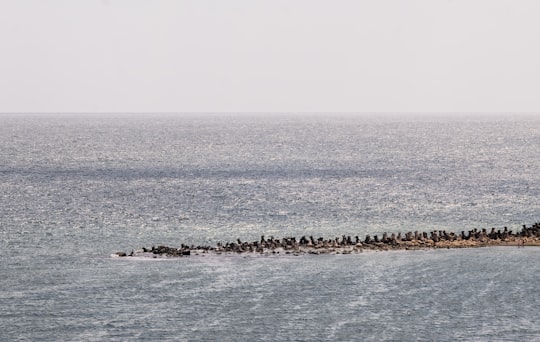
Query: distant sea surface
point(76, 188)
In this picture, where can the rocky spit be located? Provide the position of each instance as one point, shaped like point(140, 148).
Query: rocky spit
point(527, 236)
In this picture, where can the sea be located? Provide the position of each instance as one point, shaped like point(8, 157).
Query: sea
point(77, 188)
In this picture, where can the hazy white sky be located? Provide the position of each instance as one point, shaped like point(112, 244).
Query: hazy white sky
point(270, 55)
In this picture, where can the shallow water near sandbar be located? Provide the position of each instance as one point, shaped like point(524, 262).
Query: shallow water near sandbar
point(471, 294)
point(75, 190)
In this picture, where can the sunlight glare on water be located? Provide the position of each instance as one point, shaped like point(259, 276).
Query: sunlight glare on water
point(76, 189)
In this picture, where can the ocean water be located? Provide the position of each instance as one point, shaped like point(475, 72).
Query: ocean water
point(76, 188)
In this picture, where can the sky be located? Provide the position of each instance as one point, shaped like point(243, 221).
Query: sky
point(270, 56)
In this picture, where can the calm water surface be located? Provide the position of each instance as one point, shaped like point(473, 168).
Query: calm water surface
point(75, 189)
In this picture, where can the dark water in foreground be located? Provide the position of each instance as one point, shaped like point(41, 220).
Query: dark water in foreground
point(75, 190)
